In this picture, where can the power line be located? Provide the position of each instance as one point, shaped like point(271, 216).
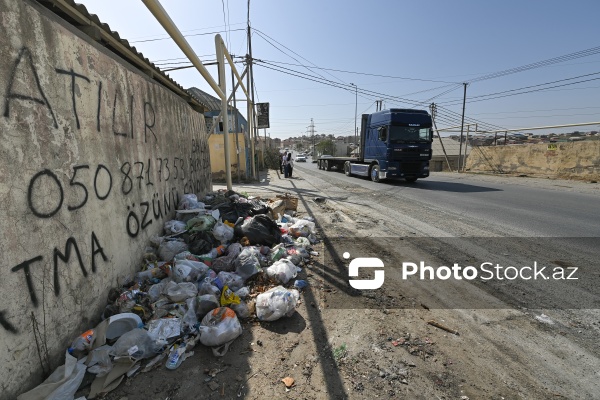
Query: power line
point(195, 34)
point(365, 73)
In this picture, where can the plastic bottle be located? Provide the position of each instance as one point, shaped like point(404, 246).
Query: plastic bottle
point(214, 253)
point(151, 273)
point(175, 357)
point(82, 342)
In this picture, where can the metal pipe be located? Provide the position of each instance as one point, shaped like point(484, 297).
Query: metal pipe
point(167, 23)
point(223, 85)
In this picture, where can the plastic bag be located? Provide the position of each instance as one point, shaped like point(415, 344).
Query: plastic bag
point(223, 233)
point(188, 271)
point(137, 344)
point(61, 384)
point(283, 270)
point(230, 279)
point(174, 226)
point(169, 248)
point(278, 252)
point(161, 329)
point(228, 297)
point(219, 326)
point(247, 263)
point(205, 304)
point(302, 228)
point(302, 242)
point(241, 310)
point(276, 303)
point(201, 223)
point(227, 263)
point(99, 362)
point(259, 229)
point(177, 292)
point(243, 292)
point(206, 287)
point(156, 290)
point(189, 201)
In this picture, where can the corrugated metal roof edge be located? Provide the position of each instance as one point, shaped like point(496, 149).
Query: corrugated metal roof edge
point(55, 5)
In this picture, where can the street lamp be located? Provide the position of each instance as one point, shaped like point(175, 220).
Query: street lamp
point(355, 110)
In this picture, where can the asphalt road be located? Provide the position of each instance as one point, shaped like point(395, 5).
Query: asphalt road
point(552, 210)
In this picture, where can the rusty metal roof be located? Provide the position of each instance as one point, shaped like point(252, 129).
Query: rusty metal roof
point(78, 16)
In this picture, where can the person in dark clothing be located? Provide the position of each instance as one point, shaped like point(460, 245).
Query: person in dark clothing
point(290, 164)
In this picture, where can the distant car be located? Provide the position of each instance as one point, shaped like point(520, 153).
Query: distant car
point(300, 159)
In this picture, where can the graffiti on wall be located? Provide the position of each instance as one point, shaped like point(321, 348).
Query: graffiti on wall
point(149, 186)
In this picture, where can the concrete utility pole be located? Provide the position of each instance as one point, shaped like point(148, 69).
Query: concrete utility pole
point(235, 129)
point(312, 135)
point(432, 109)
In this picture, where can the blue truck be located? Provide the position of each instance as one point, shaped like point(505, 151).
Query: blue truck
point(394, 143)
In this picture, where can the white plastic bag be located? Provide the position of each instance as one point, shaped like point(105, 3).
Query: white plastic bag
point(137, 344)
point(168, 249)
point(219, 327)
point(276, 303)
point(283, 270)
point(61, 384)
point(302, 228)
point(161, 329)
point(188, 270)
point(177, 292)
point(174, 226)
point(222, 232)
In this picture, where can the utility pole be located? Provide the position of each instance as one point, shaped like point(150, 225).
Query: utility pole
point(432, 109)
point(462, 126)
point(312, 135)
point(355, 107)
point(254, 134)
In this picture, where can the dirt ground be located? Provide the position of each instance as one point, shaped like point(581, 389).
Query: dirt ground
point(341, 344)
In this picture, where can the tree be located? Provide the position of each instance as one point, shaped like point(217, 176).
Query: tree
point(325, 146)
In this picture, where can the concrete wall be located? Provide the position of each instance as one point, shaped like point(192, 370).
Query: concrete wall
point(93, 158)
point(579, 160)
point(217, 156)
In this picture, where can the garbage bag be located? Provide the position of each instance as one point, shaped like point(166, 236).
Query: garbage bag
point(169, 248)
point(188, 270)
point(282, 270)
point(259, 207)
point(201, 223)
point(227, 262)
point(231, 211)
point(161, 329)
point(228, 297)
point(219, 326)
point(205, 304)
point(234, 281)
point(223, 233)
point(61, 384)
point(137, 344)
point(276, 303)
point(201, 242)
point(174, 226)
point(98, 361)
point(177, 292)
point(260, 229)
point(247, 263)
point(206, 287)
point(189, 201)
point(243, 292)
point(241, 310)
point(302, 228)
point(156, 290)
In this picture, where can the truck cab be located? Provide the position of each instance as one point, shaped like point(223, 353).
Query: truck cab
point(397, 144)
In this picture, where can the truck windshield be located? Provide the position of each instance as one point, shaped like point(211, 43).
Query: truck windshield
point(408, 134)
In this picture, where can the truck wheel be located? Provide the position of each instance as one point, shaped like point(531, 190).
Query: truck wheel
point(347, 168)
point(374, 173)
point(327, 166)
point(319, 164)
point(411, 180)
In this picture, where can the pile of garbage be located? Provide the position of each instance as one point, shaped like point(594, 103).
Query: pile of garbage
point(223, 259)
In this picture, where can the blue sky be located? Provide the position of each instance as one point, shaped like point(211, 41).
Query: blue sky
point(435, 44)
